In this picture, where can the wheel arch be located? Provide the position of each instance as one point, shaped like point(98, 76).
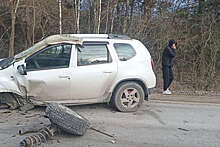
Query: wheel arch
point(15, 93)
point(140, 82)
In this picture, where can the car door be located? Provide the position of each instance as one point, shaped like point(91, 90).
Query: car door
point(48, 73)
point(94, 71)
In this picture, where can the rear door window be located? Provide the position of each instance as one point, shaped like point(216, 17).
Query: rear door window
point(124, 51)
point(92, 54)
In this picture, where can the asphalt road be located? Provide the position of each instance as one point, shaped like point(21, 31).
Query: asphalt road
point(155, 124)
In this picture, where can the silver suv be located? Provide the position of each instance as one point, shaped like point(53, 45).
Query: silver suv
point(81, 69)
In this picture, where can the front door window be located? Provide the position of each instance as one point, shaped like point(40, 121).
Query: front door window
point(52, 57)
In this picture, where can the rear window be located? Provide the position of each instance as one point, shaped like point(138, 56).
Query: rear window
point(124, 51)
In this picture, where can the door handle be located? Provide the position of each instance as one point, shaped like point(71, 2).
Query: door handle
point(107, 72)
point(64, 77)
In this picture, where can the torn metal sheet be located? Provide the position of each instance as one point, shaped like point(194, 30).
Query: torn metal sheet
point(64, 38)
point(14, 101)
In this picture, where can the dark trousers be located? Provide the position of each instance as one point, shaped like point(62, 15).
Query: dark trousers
point(167, 76)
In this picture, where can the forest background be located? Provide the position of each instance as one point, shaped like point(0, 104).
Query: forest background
point(195, 24)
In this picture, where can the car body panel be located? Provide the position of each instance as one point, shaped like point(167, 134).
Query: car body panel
point(80, 84)
point(138, 67)
point(49, 84)
point(8, 81)
point(94, 79)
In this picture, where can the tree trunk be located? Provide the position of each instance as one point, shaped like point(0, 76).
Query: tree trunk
point(60, 16)
point(89, 17)
point(78, 17)
point(132, 10)
point(28, 27)
point(125, 24)
point(113, 16)
point(33, 31)
point(11, 49)
point(201, 5)
point(14, 6)
point(95, 16)
point(107, 18)
point(99, 16)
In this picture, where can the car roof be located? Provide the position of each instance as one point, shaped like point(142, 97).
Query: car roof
point(69, 38)
point(101, 36)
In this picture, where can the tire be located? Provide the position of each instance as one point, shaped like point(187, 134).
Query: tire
point(66, 119)
point(133, 100)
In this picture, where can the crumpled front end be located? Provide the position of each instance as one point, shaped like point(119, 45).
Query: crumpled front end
point(8, 82)
point(11, 93)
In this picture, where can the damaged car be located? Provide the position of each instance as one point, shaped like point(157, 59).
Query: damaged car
point(77, 69)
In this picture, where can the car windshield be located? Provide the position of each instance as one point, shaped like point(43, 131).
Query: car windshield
point(30, 50)
point(6, 62)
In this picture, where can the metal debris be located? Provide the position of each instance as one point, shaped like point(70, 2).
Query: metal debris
point(112, 141)
point(33, 128)
point(34, 115)
point(3, 106)
point(37, 139)
point(7, 111)
point(182, 129)
point(104, 133)
point(13, 101)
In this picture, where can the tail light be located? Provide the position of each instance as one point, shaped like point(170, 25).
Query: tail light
point(152, 63)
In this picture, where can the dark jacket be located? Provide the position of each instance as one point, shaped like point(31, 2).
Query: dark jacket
point(168, 56)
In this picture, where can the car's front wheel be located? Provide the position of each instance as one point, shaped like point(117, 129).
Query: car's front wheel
point(128, 96)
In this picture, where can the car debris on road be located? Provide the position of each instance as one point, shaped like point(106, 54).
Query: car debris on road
point(39, 138)
point(61, 118)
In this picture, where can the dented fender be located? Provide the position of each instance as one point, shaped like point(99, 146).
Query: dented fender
point(10, 87)
point(8, 81)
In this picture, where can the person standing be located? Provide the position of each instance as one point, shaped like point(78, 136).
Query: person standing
point(167, 63)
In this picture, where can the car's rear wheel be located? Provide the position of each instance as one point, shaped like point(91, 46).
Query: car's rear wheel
point(128, 96)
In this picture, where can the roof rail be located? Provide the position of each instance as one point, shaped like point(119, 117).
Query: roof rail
point(101, 36)
point(91, 35)
point(116, 36)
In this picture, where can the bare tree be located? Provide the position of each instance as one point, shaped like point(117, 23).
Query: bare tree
point(60, 16)
point(77, 13)
point(114, 6)
point(34, 15)
point(14, 6)
point(97, 15)
point(107, 17)
point(126, 17)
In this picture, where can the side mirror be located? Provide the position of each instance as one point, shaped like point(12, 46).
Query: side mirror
point(22, 70)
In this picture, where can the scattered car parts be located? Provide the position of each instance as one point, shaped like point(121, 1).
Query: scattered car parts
point(39, 138)
point(66, 119)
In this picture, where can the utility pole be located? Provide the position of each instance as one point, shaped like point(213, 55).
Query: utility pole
point(60, 14)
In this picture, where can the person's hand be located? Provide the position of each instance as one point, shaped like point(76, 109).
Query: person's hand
point(174, 46)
